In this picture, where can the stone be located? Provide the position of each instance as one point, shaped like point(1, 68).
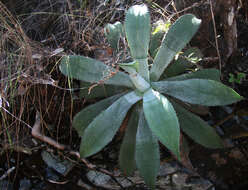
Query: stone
point(61, 166)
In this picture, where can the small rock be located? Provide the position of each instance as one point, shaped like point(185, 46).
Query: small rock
point(167, 169)
point(98, 178)
point(184, 181)
point(179, 180)
point(163, 181)
point(61, 166)
point(103, 180)
point(124, 181)
point(51, 174)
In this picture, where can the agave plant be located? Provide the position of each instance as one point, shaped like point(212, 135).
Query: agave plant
point(154, 106)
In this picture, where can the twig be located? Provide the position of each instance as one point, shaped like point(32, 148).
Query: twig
point(190, 7)
point(230, 116)
point(36, 133)
point(7, 173)
point(210, 59)
point(16, 117)
point(215, 33)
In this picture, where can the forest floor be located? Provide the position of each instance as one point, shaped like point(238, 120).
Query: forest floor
point(36, 99)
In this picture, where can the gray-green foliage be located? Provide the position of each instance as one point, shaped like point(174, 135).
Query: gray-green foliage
point(155, 113)
point(113, 32)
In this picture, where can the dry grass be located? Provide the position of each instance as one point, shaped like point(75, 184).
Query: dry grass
point(15, 56)
point(30, 79)
point(20, 72)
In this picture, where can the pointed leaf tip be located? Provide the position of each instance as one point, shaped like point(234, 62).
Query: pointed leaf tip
point(197, 129)
point(199, 91)
point(178, 35)
point(147, 152)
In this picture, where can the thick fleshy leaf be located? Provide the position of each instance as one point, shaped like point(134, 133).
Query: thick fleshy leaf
point(93, 71)
point(211, 74)
point(137, 28)
point(179, 34)
point(103, 128)
point(127, 151)
point(162, 120)
point(197, 129)
point(90, 91)
point(184, 62)
point(83, 118)
point(194, 108)
point(147, 153)
point(143, 69)
point(113, 33)
point(199, 91)
point(176, 68)
point(131, 67)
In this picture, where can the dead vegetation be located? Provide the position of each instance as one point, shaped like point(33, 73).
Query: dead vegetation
point(33, 37)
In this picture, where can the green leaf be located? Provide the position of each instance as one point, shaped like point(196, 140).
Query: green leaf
point(143, 69)
point(83, 118)
point(113, 33)
point(199, 91)
point(100, 90)
point(131, 67)
point(184, 62)
point(162, 120)
point(231, 77)
point(147, 153)
point(103, 128)
point(176, 68)
point(127, 151)
point(137, 28)
point(93, 71)
point(240, 76)
point(179, 34)
point(237, 79)
point(211, 74)
point(197, 129)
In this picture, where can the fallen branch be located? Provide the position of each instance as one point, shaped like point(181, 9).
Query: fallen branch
point(37, 134)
